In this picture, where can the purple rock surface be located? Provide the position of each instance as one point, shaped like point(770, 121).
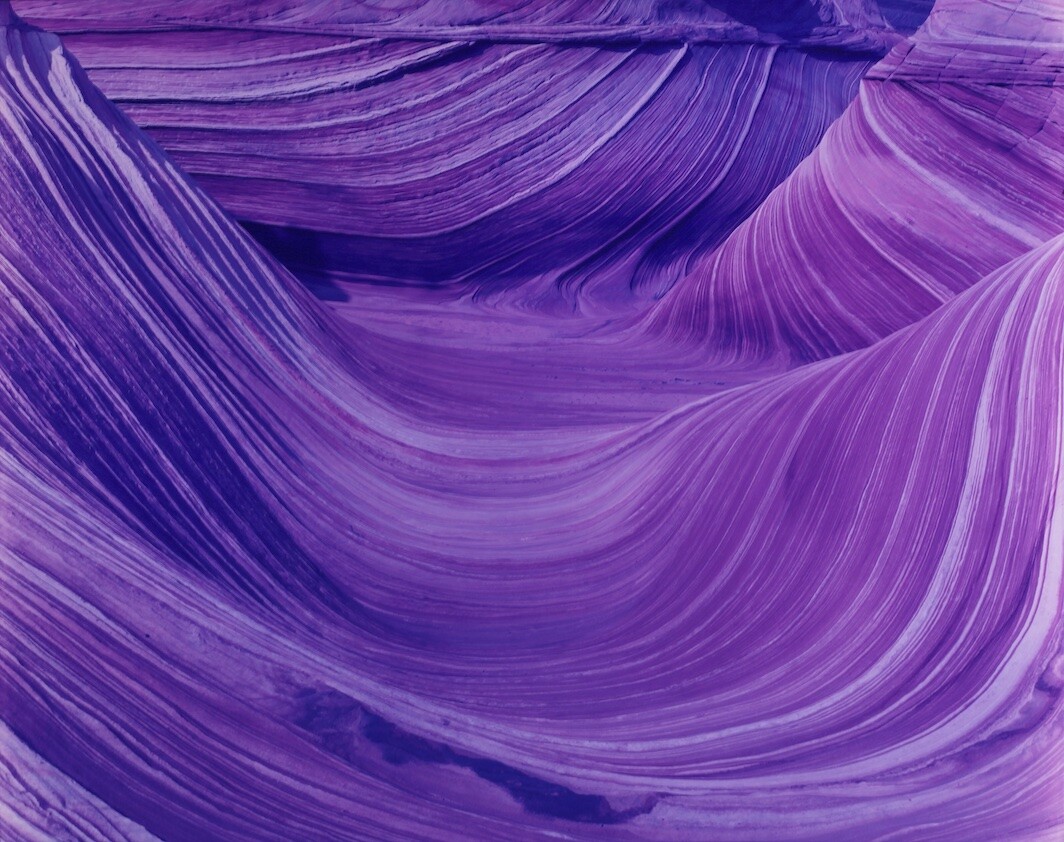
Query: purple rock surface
point(574, 420)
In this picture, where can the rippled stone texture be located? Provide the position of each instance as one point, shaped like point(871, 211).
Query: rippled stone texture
point(744, 526)
point(583, 153)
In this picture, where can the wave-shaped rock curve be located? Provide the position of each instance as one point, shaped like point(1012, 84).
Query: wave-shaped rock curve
point(257, 585)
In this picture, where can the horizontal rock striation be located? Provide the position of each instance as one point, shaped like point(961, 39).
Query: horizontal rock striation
point(576, 156)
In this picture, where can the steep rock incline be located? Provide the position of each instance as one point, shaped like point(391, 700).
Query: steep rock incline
point(946, 166)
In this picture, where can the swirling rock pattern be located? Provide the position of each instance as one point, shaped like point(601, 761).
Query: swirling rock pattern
point(864, 261)
point(582, 152)
point(749, 529)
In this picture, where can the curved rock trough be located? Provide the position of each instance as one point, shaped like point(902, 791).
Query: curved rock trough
point(598, 419)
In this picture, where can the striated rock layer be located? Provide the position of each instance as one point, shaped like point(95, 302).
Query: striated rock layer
point(772, 552)
point(582, 153)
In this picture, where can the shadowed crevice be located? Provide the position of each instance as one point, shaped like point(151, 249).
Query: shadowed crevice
point(337, 721)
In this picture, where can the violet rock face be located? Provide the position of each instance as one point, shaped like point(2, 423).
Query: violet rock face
point(582, 420)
